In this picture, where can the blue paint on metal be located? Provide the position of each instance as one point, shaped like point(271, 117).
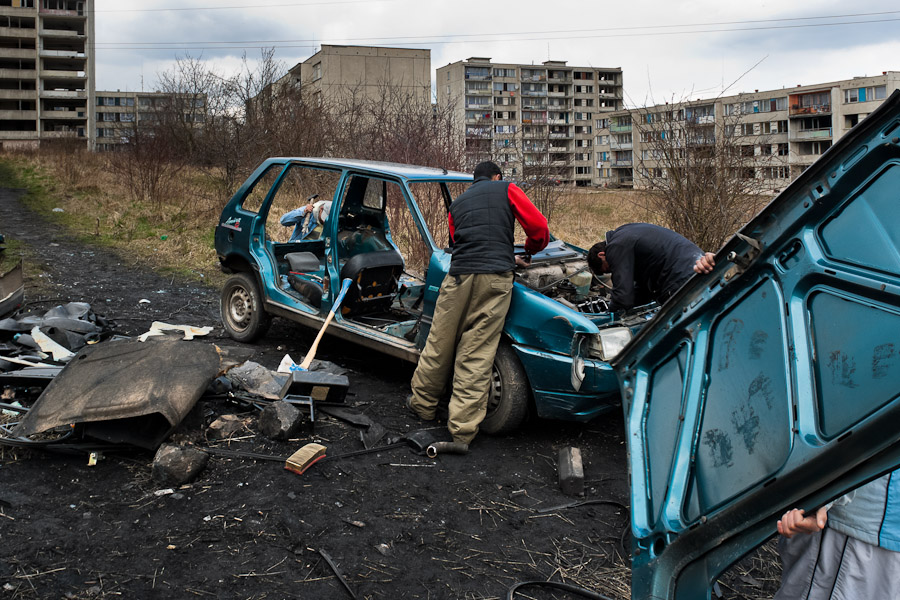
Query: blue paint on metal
point(773, 381)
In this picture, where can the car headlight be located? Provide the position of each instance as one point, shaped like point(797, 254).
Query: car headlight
point(612, 341)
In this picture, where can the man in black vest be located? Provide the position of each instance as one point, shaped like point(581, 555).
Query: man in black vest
point(474, 299)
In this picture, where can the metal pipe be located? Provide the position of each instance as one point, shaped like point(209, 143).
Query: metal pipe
point(446, 448)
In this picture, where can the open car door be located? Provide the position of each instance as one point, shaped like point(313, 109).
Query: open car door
point(774, 381)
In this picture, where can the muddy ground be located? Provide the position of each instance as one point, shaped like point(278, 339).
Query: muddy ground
point(395, 524)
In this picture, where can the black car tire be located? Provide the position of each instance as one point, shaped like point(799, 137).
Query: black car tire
point(508, 393)
point(243, 315)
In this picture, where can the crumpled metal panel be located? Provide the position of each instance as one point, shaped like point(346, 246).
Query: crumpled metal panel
point(12, 290)
point(128, 391)
point(774, 381)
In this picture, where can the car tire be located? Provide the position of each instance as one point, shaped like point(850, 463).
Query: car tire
point(508, 394)
point(243, 315)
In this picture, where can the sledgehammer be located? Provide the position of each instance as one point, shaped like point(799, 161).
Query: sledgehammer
point(304, 383)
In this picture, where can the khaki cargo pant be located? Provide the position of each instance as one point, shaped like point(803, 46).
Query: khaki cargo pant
point(465, 332)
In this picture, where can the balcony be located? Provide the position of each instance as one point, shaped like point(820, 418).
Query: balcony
point(66, 94)
point(17, 53)
point(56, 74)
point(811, 134)
point(538, 93)
point(61, 33)
point(815, 109)
point(534, 121)
point(563, 79)
point(620, 163)
point(62, 12)
point(55, 135)
point(484, 92)
point(534, 78)
point(471, 77)
point(803, 159)
point(21, 33)
point(484, 107)
point(563, 94)
point(558, 121)
point(18, 94)
point(21, 74)
point(614, 145)
point(18, 115)
point(620, 128)
point(63, 115)
point(556, 135)
point(478, 120)
point(62, 54)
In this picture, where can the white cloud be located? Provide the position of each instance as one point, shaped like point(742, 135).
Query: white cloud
point(667, 49)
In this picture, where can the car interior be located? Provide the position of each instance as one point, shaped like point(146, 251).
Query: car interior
point(382, 295)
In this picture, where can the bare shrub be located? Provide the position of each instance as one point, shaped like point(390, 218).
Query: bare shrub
point(705, 180)
point(145, 169)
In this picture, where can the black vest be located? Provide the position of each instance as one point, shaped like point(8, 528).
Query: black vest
point(484, 229)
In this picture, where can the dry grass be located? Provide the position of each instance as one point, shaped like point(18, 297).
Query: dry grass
point(582, 217)
point(175, 235)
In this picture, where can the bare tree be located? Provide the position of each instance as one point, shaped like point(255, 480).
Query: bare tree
point(705, 165)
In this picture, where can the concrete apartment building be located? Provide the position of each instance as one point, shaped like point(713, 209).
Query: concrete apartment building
point(46, 71)
point(781, 132)
point(119, 114)
point(531, 115)
point(334, 74)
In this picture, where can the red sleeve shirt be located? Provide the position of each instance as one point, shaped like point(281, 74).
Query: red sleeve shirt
point(528, 216)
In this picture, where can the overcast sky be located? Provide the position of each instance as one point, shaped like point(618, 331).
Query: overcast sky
point(668, 49)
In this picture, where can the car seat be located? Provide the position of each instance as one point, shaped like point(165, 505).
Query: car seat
point(375, 277)
point(302, 265)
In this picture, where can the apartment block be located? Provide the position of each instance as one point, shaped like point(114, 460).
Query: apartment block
point(779, 132)
point(525, 117)
point(46, 71)
point(119, 115)
point(337, 74)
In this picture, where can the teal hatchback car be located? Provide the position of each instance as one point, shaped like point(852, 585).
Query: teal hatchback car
point(385, 229)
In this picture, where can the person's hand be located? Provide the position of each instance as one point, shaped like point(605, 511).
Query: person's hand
point(523, 260)
point(795, 521)
point(308, 207)
point(705, 263)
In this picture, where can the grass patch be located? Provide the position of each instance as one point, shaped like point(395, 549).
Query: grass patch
point(175, 236)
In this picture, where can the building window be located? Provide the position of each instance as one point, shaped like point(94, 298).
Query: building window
point(109, 101)
point(504, 72)
point(317, 71)
point(865, 94)
point(126, 117)
point(583, 170)
point(584, 89)
point(505, 87)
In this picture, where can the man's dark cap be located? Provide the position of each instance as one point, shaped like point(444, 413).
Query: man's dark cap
point(487, 169)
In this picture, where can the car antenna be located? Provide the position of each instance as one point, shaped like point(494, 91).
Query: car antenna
point(445, 170)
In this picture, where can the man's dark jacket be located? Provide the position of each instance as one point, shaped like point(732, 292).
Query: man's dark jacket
point(648, 263)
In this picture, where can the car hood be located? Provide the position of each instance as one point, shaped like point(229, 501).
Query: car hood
point(772, 382)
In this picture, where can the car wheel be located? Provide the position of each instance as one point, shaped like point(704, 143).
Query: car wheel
point(242, 312)
point(508, 394)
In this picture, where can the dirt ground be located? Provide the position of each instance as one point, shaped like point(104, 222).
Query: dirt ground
point(395, 524)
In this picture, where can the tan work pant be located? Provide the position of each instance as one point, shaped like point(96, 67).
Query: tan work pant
point(465, 331)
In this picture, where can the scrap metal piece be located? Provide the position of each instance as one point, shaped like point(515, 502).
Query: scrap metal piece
point(127, 391)
point(338, 574)
point(12, 290)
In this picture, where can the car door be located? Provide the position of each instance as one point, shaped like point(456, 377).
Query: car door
point(772, 382)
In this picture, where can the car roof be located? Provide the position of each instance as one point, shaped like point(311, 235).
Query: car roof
point(405, 171)
point(770, 383)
